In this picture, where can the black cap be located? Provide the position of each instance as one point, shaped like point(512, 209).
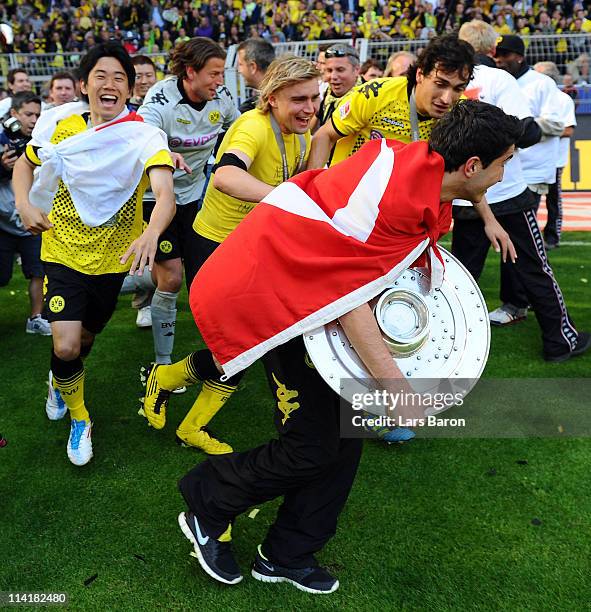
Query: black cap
point(511, 43)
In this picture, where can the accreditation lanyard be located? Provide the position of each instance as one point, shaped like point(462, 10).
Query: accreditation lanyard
point(414, 118)
point(281, 145)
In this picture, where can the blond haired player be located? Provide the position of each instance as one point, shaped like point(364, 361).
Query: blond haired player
point(263, 148)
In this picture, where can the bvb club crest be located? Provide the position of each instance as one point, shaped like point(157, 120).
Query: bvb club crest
point(166, 246)
point(57, 303)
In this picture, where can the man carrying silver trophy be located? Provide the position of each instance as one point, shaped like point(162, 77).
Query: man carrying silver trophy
point(318, 249)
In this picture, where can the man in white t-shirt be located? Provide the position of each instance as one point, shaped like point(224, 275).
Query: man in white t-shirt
point(514, 205)
point(538, 162)
point(554, 196)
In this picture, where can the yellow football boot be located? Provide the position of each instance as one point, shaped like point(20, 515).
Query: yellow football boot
point(155, 400)
point(199, 438)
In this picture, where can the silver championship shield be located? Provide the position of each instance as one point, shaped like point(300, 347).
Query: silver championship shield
point(438, 338)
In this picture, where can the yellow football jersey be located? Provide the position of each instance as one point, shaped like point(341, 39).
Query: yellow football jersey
point(253, 135)
point(378, 109)
point(91, 250)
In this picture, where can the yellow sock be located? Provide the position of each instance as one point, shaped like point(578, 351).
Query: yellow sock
point(227, 535)
point(72, 392)
point(177, 374)
point(212, 397)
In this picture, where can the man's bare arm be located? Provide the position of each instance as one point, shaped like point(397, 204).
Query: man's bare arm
point(33, 218)
point(238, 183)
point(364, 334)
point(498, 237)
point(144, 248)
point(322, 143)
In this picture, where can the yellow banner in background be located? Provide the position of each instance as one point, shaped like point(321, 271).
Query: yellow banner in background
point(581, 172)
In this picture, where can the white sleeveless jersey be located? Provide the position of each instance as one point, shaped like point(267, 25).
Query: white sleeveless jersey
point(192, 130)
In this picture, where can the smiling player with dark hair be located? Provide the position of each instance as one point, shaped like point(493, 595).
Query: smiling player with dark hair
point(93, 233)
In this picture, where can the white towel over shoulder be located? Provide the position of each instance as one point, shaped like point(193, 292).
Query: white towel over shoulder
point(101, 167)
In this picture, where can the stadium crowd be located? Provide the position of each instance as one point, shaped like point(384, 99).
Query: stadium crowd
point(153, 26)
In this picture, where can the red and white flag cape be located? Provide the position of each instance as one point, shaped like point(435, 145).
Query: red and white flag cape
point(318, 246)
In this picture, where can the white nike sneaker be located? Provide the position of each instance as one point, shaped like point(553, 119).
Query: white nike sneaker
point(80, 442)
point(507, 316)
point(144, 317)
point(55, 407)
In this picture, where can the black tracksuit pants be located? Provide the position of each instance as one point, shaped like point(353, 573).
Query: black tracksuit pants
point(512, 290)
point(532, 271)
point(553, 227)
point(308, 464)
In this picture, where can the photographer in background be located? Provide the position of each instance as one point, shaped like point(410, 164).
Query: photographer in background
point(15, 134)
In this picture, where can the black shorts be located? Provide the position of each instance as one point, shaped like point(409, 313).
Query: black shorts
point(70, 295)
point(28, 247)
point(199, 250)
point(173, 242)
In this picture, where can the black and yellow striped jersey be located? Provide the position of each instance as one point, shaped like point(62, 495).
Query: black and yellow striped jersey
point(91, 250)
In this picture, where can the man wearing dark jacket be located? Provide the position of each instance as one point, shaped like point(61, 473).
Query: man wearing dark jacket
point(14, 238)
point(254, 56)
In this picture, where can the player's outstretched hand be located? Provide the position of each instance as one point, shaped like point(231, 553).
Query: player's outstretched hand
point(500, 240)
point(179, 162)
point(143, 250)
point(34, 219)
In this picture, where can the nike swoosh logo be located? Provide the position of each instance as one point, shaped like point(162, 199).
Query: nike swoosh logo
point(203, 540)
point(268, 567)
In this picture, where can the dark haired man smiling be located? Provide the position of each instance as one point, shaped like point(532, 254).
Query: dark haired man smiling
point(94, 227)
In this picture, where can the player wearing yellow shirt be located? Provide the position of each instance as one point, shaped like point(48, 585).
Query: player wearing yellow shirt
point(85, 265)
point(263, 148)
point(382, 107)
point(69, 242)
point(252, 135)
point(378, 109)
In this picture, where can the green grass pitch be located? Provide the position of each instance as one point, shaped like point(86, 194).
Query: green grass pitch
point(440, 524)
